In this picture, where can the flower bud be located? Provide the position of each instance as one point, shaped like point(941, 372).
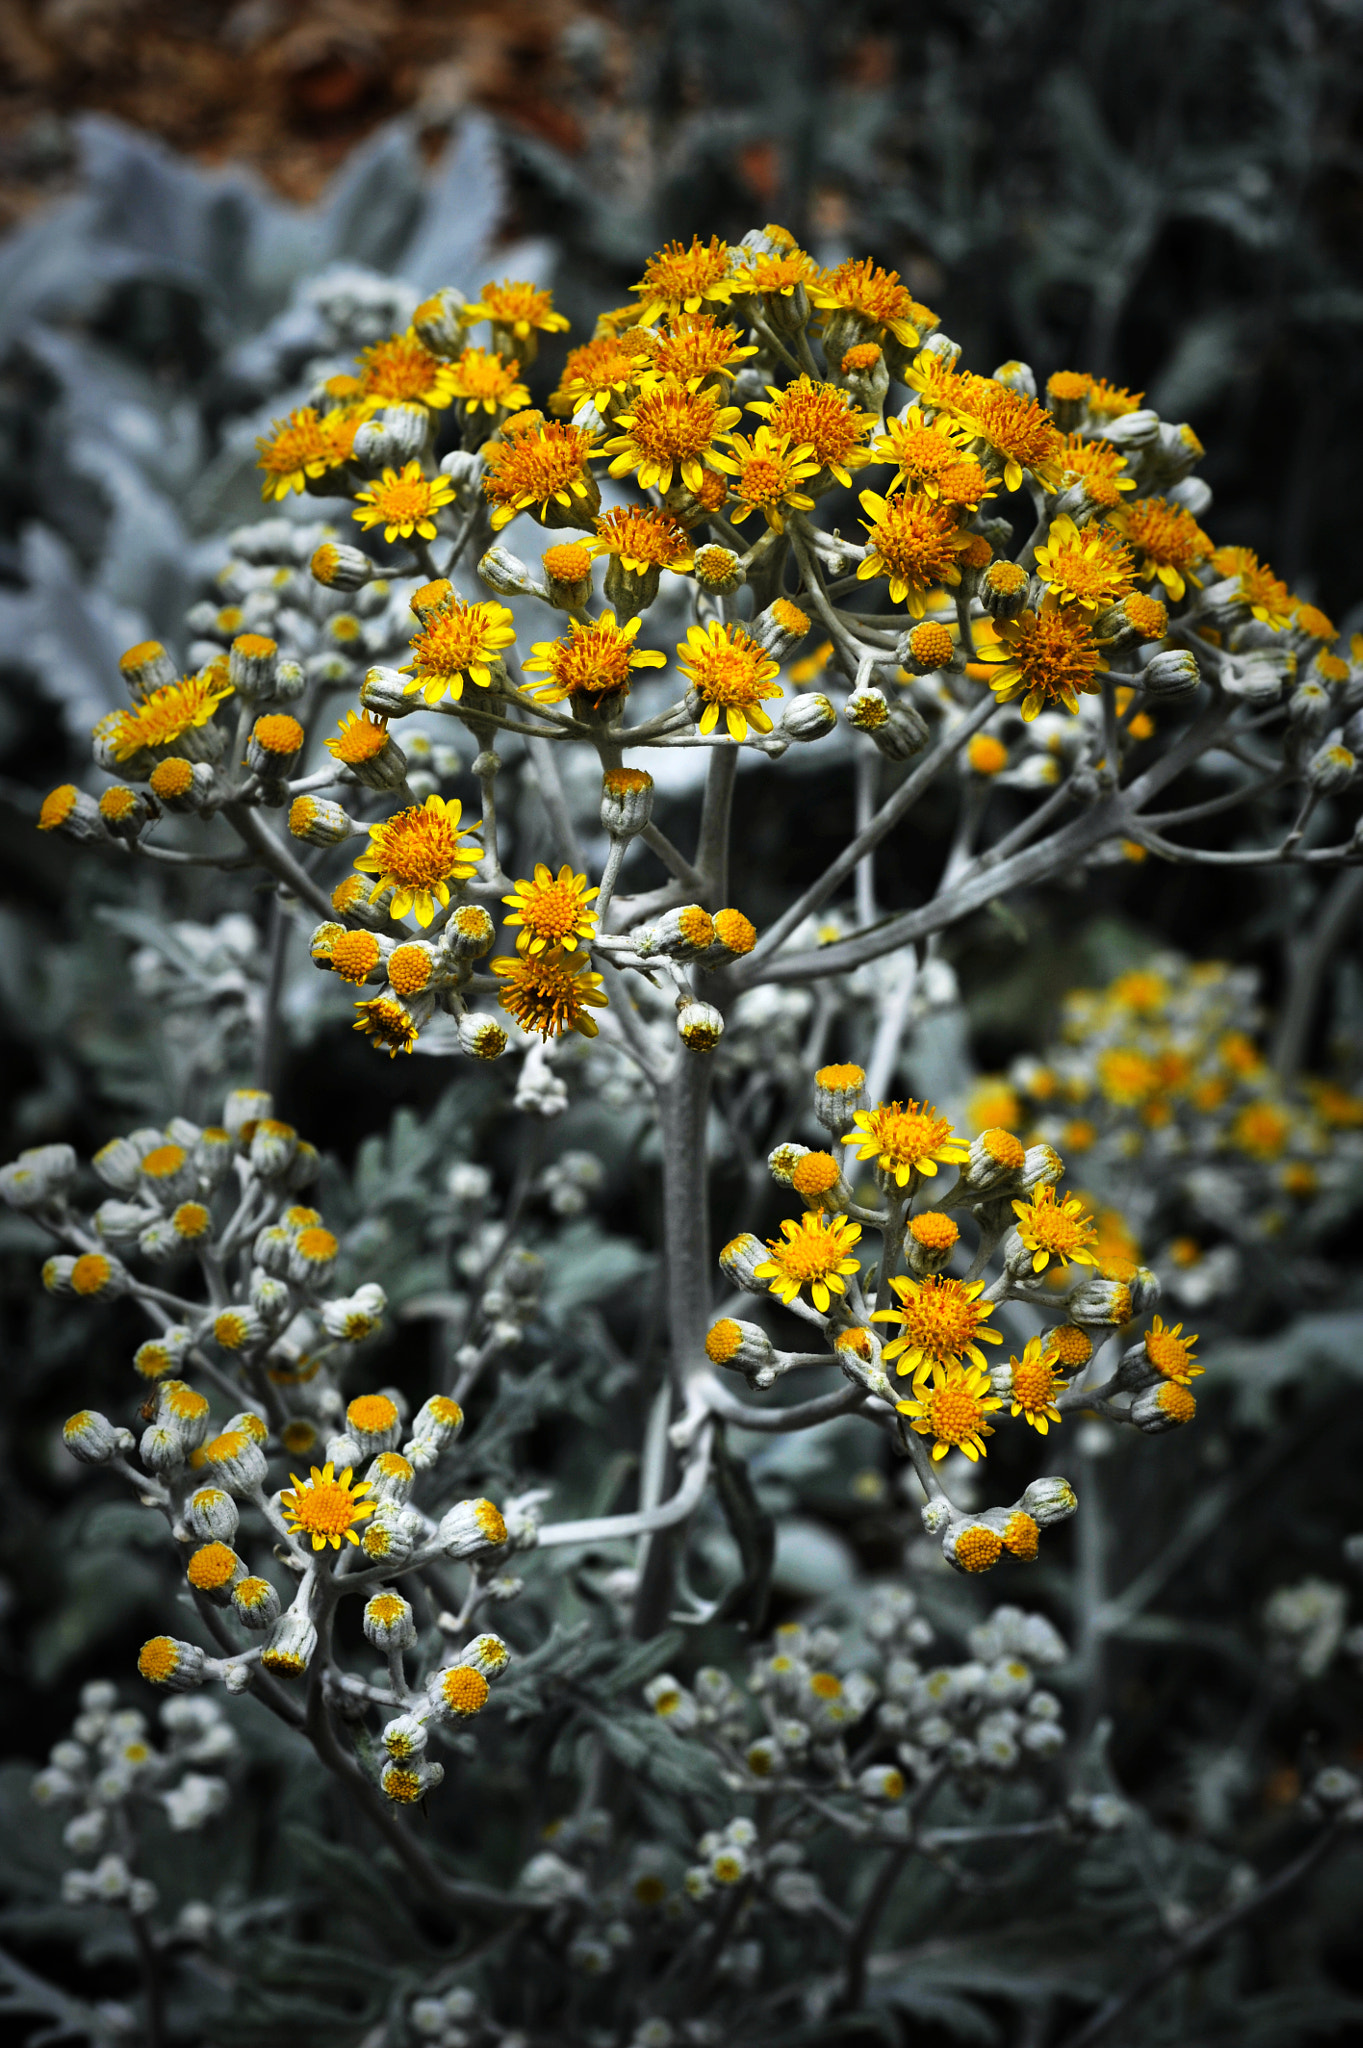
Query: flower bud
point(1048, 1501)
point(212, 1514)
point(810, 716)
point(256, 1602)
point(780, 628)
point(626, 801)
point(719, 572)
point(274, 745)
point(997, 1163)
point(1004, 589)
point(471, 1528)
point(926, 647)
point(165, 1660)
point(74, 812)
point(1042, 1166)
point(291, 1647)
point(506, 573)
point(389, 1623)
point(384, 692)
point(1331, 770)
point(437, 322)
point(319, 822)
point(681, 933)
point(1134, 430)
point(91, 1438)
point(341, 567)
point(739, 1259)
point(1173, 672)
point(743, 1347)
point(899, 730)
point(145, 668)
point(251, 663)
point(374, 1422)
point(1166, 1406)
point(39, 1175)
point(1100, 1301)
point(457, 1693)
point(699, 1026)
point(929, 1241)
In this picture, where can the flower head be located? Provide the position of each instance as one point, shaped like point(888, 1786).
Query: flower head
point(1166, 541)
point(878, 298)
point(816, 1253)
point(402, 371)
point(904, 1139)
point(1037, 1379)
point(552, 910)
point(417, 853)
point(768, 474)
point(1088, 567)
point(550, 992)
point(168, 714)
point(325, 1507)
point(359, 738)
point(643, 538)
point(1268, 597)
point(678, 279)
point(593, 662)
point(941, 1322)
point(389, 1023)
point(951, 1409)
point(483, 381)
point(599, 373)
point(695, 349)
point(1170, 1352)
point(731, 673)
point(822, 418)
point(1048, 657)
point(914, 543)
point(1100, 467)
point(459, 643)
point(306, 444)
point(1052, 1228)
point(667, 432)
point(403, 504)
point(542, 464)
point(520, 309)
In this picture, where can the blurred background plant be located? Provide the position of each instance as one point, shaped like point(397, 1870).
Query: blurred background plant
point(1167, 195)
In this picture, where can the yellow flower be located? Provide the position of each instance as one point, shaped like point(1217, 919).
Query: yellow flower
point(694, 349)
point(418, 853)
point(542, 464)
point(483, 381)
point(593, 662)
point(1111, 401)
point(767, 475)
point(550, 992)
point(1261, 1129)
point(914, 543)
point(1047, 657)
point(1167, 542)
point(919, 449)
point(680, 280)
point(389, 1023)
point(823, 418)
point(166, 715)
point(325, 1507)
point(599, 373)
point(667, 431)
point(1100, 467)
point(731, 673)
point(941, 1321)
point(1269, 599)
point(1037, 1379)
point(402, 371)
point(816, 1254)
point(552, 909)
point(304, 445)
point(359, 738)
point(459, 643)
point(952, 1410)
point(403, 505)
point(876, 296)
point(519, 308)
point(1052, 1228)
point(1170, 1352)
point(904, 1139)
point(643, 538)
point(778, 276)
point(1090, 568)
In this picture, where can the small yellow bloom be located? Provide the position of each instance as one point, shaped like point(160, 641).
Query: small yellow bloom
point(1048, 657)
point(1170, 1352)
point(550, 992)
point(667, 432)
point(418, 853)
point(403, 505)
point(941, 1322)
point(326, 1508)
point(730, 672)
point(486, 382)
point(904, 1139)
point(952, 1410)
point(816, 1253)
point(1088, 567)
point(914, 544)
point(1052, 1228)
point(541, 465)
point(552, 909)
point(1037, 1379)
point(678, 279)
point(593, 661)
point(518, 308)
point(459, 643)
point(768, 474)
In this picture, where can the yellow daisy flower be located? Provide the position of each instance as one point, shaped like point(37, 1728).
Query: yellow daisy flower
point(1037, 1379)
point(1170, 1352)
point(815, 1254)
point(593, 662)
point(550, 992)
point(667, 432)
point(730, 672)
point(914, 544)
point(552, 909)
point(904, 1139)
point(403, 504)
point(1048, 657)
point(952, 1410)
point(402, 371)
point(417, 853)
point(823, 418)
point(326, 1508)
point(941, 1322)
point(306, 444)
point(678, 279)
point(767, 475)
point(541, 465)
point(459, 643)
point(483, 381)
point(1052, 1228)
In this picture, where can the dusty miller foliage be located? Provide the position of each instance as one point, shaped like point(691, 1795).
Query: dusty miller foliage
point(1098, 1795)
